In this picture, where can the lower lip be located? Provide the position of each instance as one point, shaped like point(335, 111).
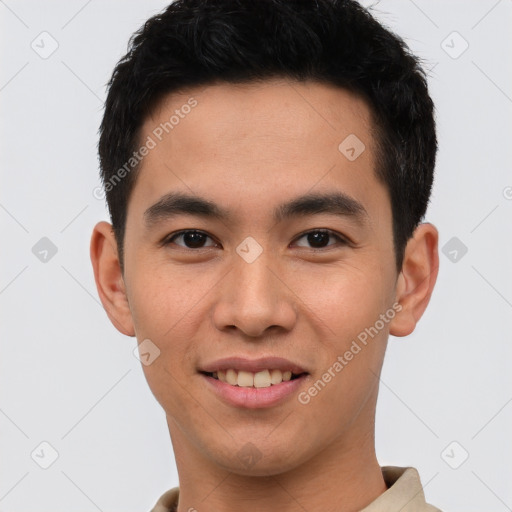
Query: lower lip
point(254, 398)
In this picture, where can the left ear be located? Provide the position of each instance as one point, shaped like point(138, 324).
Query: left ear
point(416, 279)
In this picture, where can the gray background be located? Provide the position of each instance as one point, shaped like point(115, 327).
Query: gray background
point(68, 378)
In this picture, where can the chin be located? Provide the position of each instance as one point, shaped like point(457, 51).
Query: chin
point(254, 460)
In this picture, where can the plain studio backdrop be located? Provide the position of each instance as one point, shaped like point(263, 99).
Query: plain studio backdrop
point(72, 394)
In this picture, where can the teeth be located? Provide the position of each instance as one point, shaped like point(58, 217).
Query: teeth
point(245, 379)
point(232, 377)
point(276, 376)
point(261, 379)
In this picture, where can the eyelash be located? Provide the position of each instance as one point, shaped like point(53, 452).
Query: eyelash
point(341, 240)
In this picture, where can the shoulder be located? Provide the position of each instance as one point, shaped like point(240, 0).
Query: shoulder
point(168, 501)
point(405, 492)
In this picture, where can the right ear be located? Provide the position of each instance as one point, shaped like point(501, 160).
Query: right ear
point(109, 278)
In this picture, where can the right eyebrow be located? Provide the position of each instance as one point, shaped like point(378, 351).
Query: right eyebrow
point(176, 203)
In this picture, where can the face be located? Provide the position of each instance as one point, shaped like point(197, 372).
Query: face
point(259, 242)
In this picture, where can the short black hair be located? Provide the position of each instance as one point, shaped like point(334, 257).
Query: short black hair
point(201, 42)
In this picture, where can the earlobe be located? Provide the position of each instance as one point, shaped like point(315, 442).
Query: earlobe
point(109, 278)
point(417, 278)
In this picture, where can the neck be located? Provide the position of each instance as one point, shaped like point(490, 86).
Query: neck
point(344, 477)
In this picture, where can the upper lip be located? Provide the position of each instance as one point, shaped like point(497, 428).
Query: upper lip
point(253, 365)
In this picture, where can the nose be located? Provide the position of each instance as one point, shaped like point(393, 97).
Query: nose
point(254, 299)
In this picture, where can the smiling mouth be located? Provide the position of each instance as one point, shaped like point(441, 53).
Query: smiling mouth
point(261, 379)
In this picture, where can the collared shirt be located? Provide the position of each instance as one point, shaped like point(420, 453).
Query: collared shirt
point(404, 494)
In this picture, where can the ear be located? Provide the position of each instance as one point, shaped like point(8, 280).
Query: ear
point(416, 279)
point(109, 278)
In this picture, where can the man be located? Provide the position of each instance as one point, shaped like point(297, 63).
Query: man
point(267, 166)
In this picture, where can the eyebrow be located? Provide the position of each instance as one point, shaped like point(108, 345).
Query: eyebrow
point(179, 203)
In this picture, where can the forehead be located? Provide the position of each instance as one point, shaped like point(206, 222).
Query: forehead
point(279, 110)
point(272, 139)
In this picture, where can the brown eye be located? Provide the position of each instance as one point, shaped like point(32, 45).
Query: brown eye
point(320, 238)
point(190, 239)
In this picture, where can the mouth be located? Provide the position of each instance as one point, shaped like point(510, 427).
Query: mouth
point(260, 379)
point(253, 383)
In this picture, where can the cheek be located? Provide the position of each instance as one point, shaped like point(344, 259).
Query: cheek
point(165, 300)
point(350, 358)
point(343, 300)
point(347, 307)
point(165, 314)
point(168, 307)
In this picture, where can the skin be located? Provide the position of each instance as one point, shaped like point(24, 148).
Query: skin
point(249, 148)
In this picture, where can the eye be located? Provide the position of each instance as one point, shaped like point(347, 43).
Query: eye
point(194, 239)
point(319, 238)
point(191, 239)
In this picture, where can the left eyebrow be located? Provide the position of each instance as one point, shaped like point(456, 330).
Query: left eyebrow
point(335, 203)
